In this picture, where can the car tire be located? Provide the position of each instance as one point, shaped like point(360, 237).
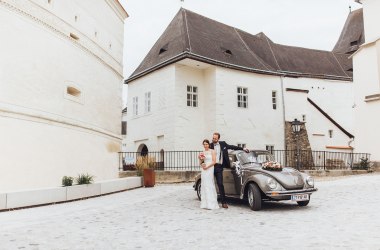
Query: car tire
point(199, 190)
point(254, 197)
point(303, 203)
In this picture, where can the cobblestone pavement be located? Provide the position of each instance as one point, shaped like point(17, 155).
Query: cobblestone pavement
point(343, 214)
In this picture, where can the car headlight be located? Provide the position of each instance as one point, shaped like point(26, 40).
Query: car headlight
point(272, 183)
point(310, 181)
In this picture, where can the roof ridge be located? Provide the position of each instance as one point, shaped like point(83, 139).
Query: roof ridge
point(270, 47)
point(252, 53)
point(341, 67)
point(186, 28)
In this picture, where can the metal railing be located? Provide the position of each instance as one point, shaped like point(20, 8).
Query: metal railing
point(308, 160)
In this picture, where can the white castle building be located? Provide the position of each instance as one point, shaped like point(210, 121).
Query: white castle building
point(366, 62)
point(60, 90)
point(203, 76)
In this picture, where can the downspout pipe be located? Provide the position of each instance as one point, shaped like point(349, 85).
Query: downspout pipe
point(283, 108)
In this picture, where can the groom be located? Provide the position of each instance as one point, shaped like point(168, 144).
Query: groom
point(222, 161)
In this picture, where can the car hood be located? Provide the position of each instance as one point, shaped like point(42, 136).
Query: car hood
point(289, 178)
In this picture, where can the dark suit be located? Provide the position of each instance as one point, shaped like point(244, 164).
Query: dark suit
point(218, 168)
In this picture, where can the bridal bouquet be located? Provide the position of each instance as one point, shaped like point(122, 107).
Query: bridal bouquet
point(272, 166)
point(202, 157)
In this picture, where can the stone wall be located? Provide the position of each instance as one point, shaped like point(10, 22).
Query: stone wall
point(306, 158)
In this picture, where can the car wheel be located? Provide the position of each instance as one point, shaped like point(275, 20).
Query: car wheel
point(199, 189)
point(254, 197)
point(303, 203)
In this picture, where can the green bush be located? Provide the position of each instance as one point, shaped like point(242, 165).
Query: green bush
point(67, 181)
point(84, 179)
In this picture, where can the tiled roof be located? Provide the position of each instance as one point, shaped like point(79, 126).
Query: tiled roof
point(352, 35)
point(191, 35)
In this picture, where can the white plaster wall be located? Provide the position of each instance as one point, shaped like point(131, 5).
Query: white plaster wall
point(36, 73)
point(191, 123)
point(318, 127)
point(334, 97)
point(366, 72)
point(146, 128)
point(92, 16)
point(371, 10)
point(367, 82)
point(36, 154)
point(259, 124)
point(56, 134)
point(217, 110)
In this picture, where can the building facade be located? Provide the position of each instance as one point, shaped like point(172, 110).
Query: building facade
point(203, 76)
point(366, 62)
point(60, 90)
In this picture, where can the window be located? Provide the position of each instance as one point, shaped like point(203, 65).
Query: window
point(123, 127)
point(269, 148)
point(72, 35)
point(147, 102)
point(242, 97)
point(73, 91)
point(226, 52)
point(331, 133)
point(192, 96)
point(274, 99)
point(164, 49)
point(135, 105)
point(242, 145)
point(304, 118)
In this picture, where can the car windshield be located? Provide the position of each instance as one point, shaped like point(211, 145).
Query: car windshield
point(254, 157)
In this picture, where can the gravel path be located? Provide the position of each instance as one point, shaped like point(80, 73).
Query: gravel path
point(343, 214)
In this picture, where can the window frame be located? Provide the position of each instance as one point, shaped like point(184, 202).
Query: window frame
point(192, 96)
point(242, 97)
point(135, 104)
point(269, 147)
point(274, 99)
point(148, 102)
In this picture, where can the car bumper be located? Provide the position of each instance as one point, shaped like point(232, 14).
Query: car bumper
point(285, 195)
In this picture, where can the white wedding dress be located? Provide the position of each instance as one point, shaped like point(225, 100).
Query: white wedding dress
point(208, 191)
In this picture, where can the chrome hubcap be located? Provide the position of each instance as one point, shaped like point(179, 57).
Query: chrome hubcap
point(250, 197)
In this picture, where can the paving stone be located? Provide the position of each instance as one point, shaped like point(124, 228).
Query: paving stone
point(343, 214)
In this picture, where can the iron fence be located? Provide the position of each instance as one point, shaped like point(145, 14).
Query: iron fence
point(308, 160)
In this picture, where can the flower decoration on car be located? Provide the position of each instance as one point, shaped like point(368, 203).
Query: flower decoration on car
point(272, 166)
point(202, 157)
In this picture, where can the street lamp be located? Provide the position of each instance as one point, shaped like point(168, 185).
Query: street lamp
point(296, 128)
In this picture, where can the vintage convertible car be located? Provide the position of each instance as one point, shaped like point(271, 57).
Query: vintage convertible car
point(256, 177)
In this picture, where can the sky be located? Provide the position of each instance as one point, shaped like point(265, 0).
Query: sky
point(312, 24)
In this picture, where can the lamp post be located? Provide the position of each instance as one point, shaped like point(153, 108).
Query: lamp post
point(296, 128)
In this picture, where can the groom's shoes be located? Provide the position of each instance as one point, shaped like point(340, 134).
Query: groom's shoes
point(224, 205)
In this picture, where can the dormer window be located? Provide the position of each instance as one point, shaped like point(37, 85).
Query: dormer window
point(226, 52)
point(164, 49)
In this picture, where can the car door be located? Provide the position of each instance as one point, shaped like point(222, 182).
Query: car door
point(229, 179)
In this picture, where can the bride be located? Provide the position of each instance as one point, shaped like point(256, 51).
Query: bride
point(208, 191)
